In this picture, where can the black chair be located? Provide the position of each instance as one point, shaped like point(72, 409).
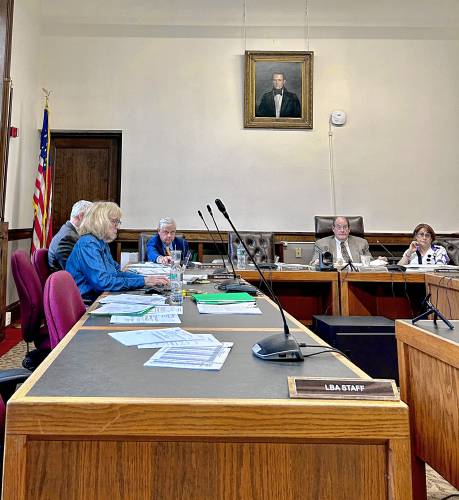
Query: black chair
point(452, 249)
point(323, 225)
point(260, 245)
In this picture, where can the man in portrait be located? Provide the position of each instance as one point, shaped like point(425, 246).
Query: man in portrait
point(279, 102)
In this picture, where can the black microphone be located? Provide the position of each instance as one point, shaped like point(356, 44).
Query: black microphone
point(223, 243)
point(280, 347)
point(387, 250)
point(218, 271)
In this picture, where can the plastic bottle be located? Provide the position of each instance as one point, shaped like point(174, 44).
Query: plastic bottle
point(176, 297)
point(241, 256)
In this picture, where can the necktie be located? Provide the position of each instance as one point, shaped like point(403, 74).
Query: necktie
point(344, 252)
point(277, 103)
point(168, 251)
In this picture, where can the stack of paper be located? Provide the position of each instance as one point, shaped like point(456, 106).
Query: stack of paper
point(226, 303)
point(121, 309)
point(131, 298)
point(178, 348)
point(150, 268)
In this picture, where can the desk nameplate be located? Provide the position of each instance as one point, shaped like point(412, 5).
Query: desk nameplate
point(343, 388)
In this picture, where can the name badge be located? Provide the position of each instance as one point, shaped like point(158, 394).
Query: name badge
point(345, 388)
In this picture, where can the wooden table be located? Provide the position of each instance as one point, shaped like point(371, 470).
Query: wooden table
point(428, 360)
point(445, 293)
point(393, 295)
point(302, 293)
point(93, 423)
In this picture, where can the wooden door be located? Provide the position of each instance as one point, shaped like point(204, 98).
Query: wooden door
point(87, 166)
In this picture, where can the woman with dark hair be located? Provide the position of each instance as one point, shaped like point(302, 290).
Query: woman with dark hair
point(91, 263)
point(422, 250)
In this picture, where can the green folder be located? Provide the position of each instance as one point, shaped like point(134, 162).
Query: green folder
point(223, 298)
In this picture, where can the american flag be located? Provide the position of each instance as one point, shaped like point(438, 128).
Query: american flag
point(43, 195)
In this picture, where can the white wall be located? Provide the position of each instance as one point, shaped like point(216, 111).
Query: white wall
point(26, 114)
point(179, 104)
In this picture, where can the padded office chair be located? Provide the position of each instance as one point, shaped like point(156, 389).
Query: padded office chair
point(143, 239)
point(33, 323)
point(323, 225)
point(40, 263)
point(260, 245)
point(452, 249)
point(63, 305)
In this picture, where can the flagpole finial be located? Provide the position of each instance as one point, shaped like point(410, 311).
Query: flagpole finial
point(47, 94)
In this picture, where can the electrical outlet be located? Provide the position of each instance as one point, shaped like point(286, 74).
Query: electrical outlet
point(7, 318)
point(298, 252)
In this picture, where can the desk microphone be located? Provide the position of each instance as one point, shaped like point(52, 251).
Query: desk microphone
point(223, 244)
point(279, 347)
point(394, 266)
point(387, 250)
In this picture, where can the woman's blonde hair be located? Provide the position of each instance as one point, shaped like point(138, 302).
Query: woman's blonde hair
point(97, 219)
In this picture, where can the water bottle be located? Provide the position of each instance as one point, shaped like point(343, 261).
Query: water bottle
point(176, 297)
point(241, 256)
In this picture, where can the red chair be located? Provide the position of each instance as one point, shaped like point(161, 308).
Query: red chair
point(30, 293)
point(63, 305)
point(40, 263)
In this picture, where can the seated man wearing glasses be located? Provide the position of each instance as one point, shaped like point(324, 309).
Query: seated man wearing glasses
point(160, 245)
point(422, 250)
point(342, 244)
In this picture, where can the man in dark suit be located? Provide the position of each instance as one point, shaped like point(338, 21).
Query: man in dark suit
point(279, 102)
point(160, 245)
point(63, 242)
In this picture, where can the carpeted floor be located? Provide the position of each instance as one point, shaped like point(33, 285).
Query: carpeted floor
point(437, 487)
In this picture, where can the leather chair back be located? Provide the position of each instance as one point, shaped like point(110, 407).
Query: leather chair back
point(63, 305)
point(30, 294)
point(452, 249)
point(323, 225)
point(40, 263)
point(260, 245)
point(143, 239)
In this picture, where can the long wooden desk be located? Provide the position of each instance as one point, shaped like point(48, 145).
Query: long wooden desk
point(302, 293)
point(445, 293)
point(428, 360)
point(93, 423)
point(393, 295)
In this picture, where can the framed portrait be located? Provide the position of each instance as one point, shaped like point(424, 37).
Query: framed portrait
point(278, 89)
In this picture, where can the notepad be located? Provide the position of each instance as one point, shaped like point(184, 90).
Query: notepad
point(223, 298)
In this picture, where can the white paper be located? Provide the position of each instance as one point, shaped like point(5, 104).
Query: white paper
point(198, 340)
point(137, 337)
point(149, 318)
point(197, 358)
point(240, 308)
point(129, 298)
point(115, 308)
point(166, 309)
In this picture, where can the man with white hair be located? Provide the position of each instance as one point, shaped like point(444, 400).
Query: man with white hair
point(63, 242)
point(160, 245)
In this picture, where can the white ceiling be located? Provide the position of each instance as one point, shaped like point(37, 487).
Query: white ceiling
point(437, 14)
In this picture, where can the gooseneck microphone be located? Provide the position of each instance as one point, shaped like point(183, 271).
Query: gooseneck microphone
point(280, 347)
point(218, 271)
point(209, 209)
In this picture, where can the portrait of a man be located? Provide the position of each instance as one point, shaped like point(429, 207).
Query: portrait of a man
point(278, 90)
point(279, 102)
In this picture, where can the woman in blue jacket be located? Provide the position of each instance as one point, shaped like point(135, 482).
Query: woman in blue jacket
point(91, 263)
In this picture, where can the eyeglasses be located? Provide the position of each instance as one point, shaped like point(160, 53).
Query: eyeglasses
point(343, 228)
point(422, 235)
point(116, 222)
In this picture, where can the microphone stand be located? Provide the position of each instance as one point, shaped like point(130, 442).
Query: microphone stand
point(349, 265)
point(279, 347)
point(235, 280)
point(223, 270)
point(431, 309)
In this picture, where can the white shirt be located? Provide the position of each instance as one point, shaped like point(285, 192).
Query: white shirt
point(339, 255)
point(278, 104)
point(435, 255)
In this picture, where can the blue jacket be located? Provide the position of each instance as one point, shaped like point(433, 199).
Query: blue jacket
point(155, 247)
point(94, 270)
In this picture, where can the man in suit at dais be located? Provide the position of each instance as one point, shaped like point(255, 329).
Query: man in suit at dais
point(342, 244)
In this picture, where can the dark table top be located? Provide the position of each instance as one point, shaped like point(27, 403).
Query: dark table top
point(95, 365)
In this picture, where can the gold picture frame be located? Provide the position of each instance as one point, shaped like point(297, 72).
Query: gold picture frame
point(289, 74)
